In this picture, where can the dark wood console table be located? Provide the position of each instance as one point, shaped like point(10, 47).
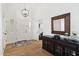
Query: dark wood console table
point(60, 47)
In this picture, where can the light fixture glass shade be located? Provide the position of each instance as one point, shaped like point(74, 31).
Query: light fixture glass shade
point(25, 12)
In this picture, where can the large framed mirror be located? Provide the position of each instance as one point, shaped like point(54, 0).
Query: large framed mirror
point(61, 24)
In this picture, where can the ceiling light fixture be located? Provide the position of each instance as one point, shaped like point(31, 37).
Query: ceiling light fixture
point(25, 12)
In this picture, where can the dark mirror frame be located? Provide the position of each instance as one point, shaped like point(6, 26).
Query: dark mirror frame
point(67, 23)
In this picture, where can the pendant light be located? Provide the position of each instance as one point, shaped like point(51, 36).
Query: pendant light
point(24, 11)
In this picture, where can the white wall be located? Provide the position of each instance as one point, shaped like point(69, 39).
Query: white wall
point(50, 10)
point(42, 12)
point(65, 8)
point(1, 41)
point(18, 30)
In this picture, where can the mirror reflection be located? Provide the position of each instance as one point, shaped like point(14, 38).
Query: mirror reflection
point(59, 25)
